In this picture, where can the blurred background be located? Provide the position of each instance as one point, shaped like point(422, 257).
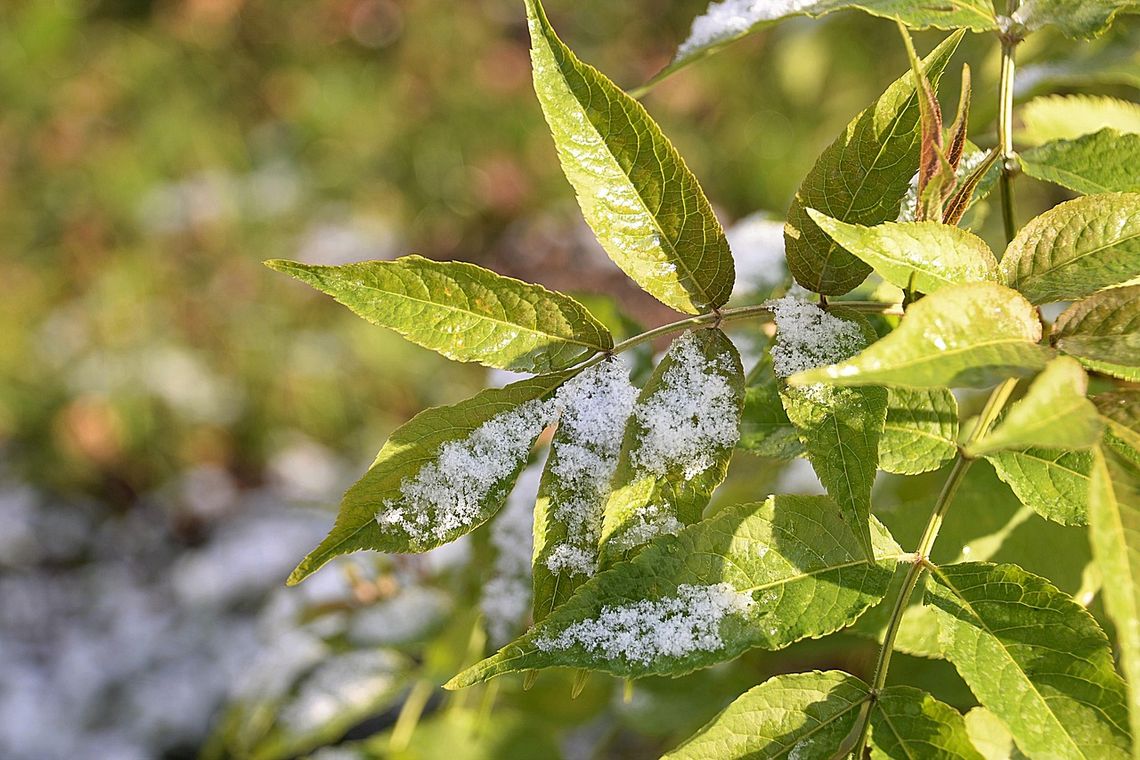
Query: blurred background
point(177, 422)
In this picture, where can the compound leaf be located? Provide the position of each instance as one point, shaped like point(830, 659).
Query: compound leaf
point(788, 716)
point(1033, 657)
point(860, 178)
point(463, 311)
point(754, 575)
point(1103, 332)
point(924, 256)
point(1103, 162)
point(1076, 248)
point(441, 474)
point(1055, 412)
point(907, 723)
point(963, 335)
point(921, 431)
point(641, 200)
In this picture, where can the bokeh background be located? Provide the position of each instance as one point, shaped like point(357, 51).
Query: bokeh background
point(177, 422)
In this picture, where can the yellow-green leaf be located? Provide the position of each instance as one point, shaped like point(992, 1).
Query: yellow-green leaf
point(1103, 162)
point(908, 723)
point(1103, 332)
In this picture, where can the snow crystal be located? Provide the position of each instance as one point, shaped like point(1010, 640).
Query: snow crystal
point(646, 630)
point(507, 594)
point(909, 203)
point(808, 337)
point(647, 523)
point(757, 243)
point(447, 494)
point(691, 415)
point(596, 406)
point(727, 20)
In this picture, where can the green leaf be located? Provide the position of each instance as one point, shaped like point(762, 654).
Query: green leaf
point(422, 501)
point(1055, 412)
point(1076, 248)
point(799, 715)
point(1083, 19)
point(1068, 117)
point(1052, 482)
point(576, 482)
point(1121, 413)
point(1103, 332)
point(754, 575)
point(963, 335)
point(840, 429)
point(991, 737)
point(719, 26)
point(1033, 657)
point(463, 311)
point(764, 425)
point(645, 206)
point(1103, 162)
point(860, 178)
point(1114, 531)
point(677, 444)
point(907, 723)
point(921, 431)
point(925, 256)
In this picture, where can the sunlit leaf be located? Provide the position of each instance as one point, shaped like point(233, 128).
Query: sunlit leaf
point(1068, 117)
point(963, 335)
point(860, 179)
point(1076, 248)
point(1055, 412)
point(1103, 332)
point(441, 474)
point(1033, 657)
point(907, 723)
point(463, 311)
point(789, 716)
point(754, 575)
point(1075, 18)
point(921, 431)
point(923, 255)
point(645, 206)
point(1103, 162)
point(990, 737)
point(1052, 482)
point(1121, 413)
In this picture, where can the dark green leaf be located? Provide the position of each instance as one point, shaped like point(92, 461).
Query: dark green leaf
point(801, 715)
point(925, 256)
point(908, 723)
point(1076, 248)
point(965, 335)
point(861, 178)
point(463, 311)
point(1103, 162)
point(645, 206)
point(754, 575)
point(1053, 482)
point(1121, 412)
point(1033, 657)
point(1103, 332)
point(677, 444)
point(921, 431)
point(764, 425)
point(441, 474)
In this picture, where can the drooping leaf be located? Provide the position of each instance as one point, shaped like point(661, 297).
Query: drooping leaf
point(754, 575)
point(789, 716)
point(677, 444)
point(924, 255)
point(441, 474)
point(1052, 482)
point(1068, 117)
point(963, 335)
point(724, 23)
point(1103, 332)
point(764, 425)
point(1114, 532)
point(921, 431)
point(1076, 248)
point(1033, 657)
point(1121, 413)
point(990, 737)
point(840, 428)
point(860, 179)
point(908, 723)
point(1055, 412)
point(1103, 162)
point(1082, 19)
point(463, 311)
point(642, 201)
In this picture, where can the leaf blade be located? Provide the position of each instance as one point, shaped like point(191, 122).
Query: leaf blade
point(1103, 332)
point(1051, 482)
point(908, 723)
point(921, 430)
point(1097, 163)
